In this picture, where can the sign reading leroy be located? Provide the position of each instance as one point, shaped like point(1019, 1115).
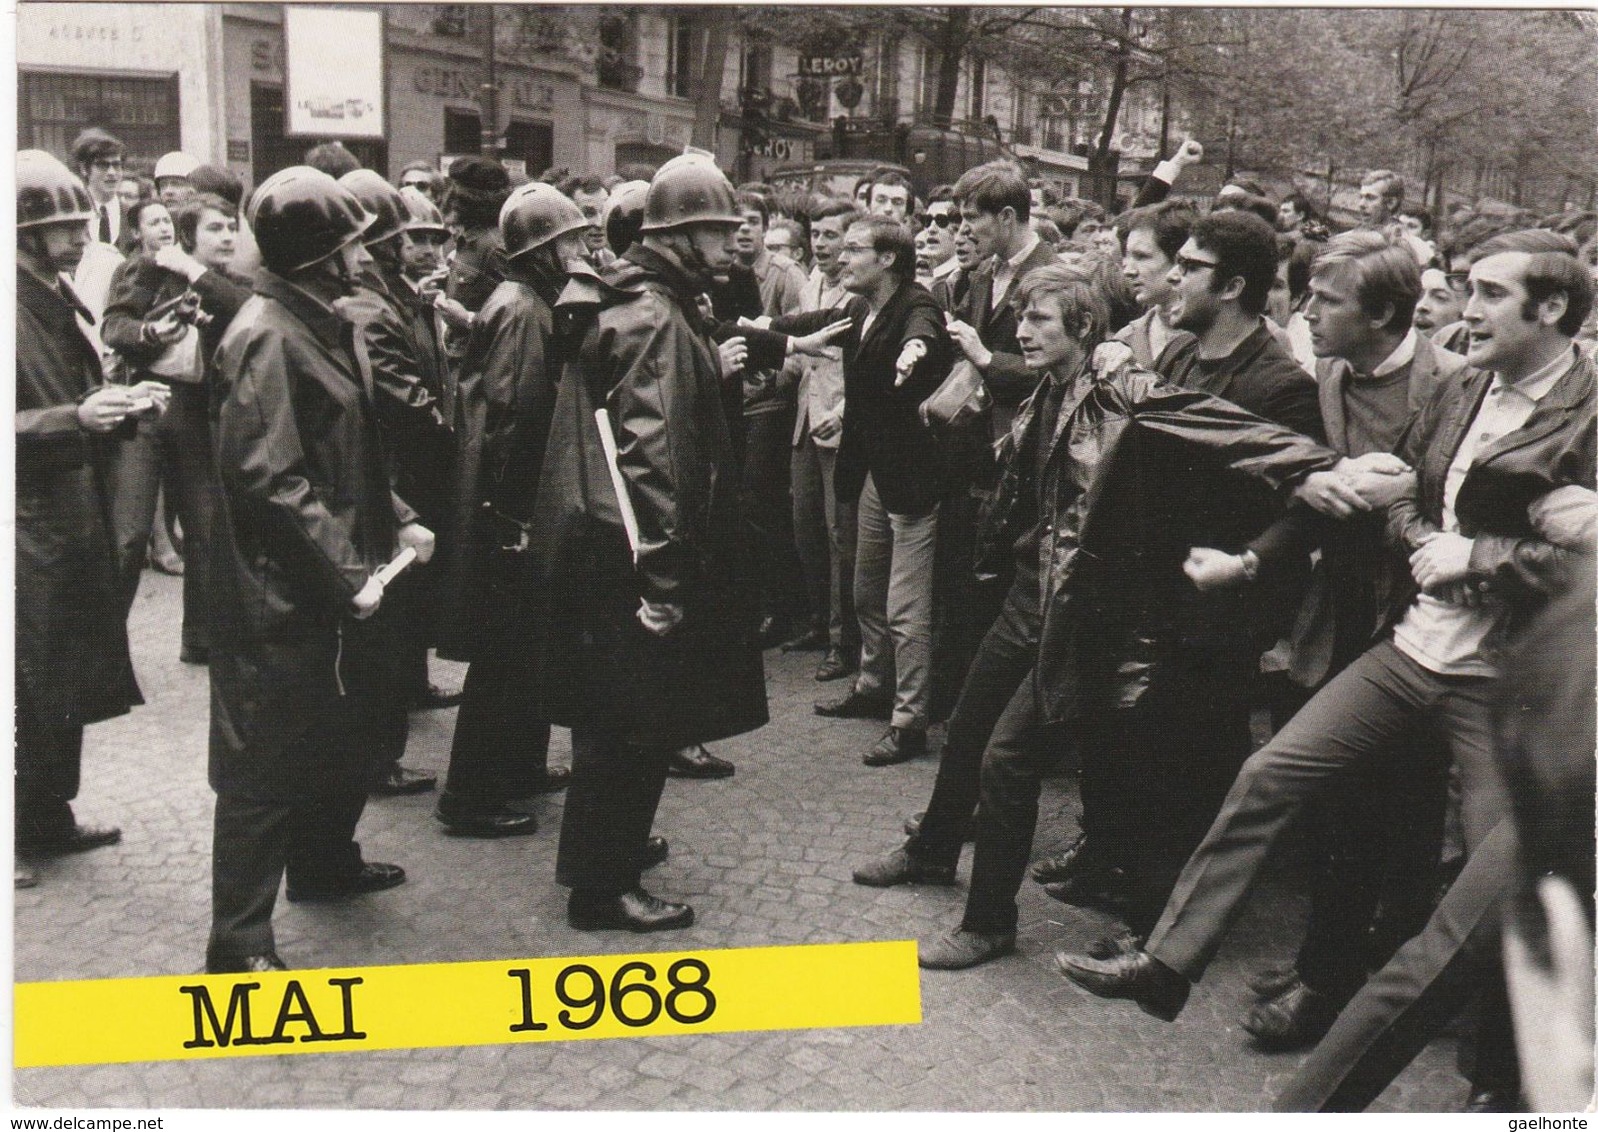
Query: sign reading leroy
point(333, 72)
point(178, 1017)
point(839, 63)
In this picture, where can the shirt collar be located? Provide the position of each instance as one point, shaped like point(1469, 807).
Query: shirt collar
point(945, 269)
point(1402, 355)
point(1538, 385)
point(1027, 248)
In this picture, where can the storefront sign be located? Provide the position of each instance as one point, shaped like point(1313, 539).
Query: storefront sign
point(442, 82)
point(820, 66)
point(333, 74)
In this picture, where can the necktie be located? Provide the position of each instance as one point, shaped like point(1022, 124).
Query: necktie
point(105, 224)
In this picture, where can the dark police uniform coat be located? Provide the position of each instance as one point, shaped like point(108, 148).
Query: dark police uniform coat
point(645, 355)
point(307, 515)
point(72, 662)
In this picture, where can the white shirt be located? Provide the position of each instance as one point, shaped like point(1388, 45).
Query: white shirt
point(1402, 355)
point(1435, 634)
point(1004, 271)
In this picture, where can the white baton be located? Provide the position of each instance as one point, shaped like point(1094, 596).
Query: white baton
point(607, 440)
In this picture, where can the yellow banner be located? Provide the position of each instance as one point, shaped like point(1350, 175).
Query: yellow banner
point(332, 1010)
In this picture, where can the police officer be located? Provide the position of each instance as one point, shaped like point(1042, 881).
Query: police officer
point(72, 663)
point(508, 379)
point(641, 653)
point(307, 516)
point(416, 442)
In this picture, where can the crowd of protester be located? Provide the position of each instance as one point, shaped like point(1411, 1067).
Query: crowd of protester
point(1098, 492)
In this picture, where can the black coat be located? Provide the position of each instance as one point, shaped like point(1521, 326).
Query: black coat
point(506, 399)
point(72, 662)
point(645, 356)
point(1132, 464)
point(140, 284)
point(306, 515)
point(882, 431)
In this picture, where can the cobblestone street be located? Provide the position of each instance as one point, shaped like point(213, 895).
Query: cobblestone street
point(764, 857)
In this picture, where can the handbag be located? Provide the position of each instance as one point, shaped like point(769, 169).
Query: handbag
point(962, 399)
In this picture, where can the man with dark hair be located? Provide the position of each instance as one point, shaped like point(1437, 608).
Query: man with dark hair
point(332, 158)
point(1220, 280)
point(1152, 236)
point(1086, 535)
point(995, 207)
point(1520, 423)
point(894, 355)
point(477, 187)
point(590, 196)
point(97, 157)
point(1294, 211)
point(824, 524)
point(768, 412)
point(892, 196)
point(940, 221)
point(1416, 220)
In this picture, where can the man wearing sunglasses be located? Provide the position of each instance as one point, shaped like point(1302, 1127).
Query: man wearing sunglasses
point(940, 222)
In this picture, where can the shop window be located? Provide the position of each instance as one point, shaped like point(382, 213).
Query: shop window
point(617, 63)
point(54, 107)
point(532, 143)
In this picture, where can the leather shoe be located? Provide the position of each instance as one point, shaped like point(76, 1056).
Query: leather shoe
point(1065, 864)
point(373, 877)
point(244, 964)
point(1103, 888)
point(835, 666)
point(1484, 1099)
point(635, 911)
point(23, 876)
point(963, 948)
point(1294, 1018)
point(403, 780)
point(79, 839)
point(435, 697)
point(912, 827)
point(1272, 981)
point(857, 705)
point(899, 867)
point(1136, 975)
point(194, 654)
point(496, 821)
point(656, 850)
point(556, 779)
point(696, 762)
point(813, 640)
point(1118, 941)
point(896, 746)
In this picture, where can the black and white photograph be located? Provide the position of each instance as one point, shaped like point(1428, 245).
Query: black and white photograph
point(855, 559)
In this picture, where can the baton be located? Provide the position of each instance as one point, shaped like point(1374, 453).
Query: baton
point(607, 440)
point(387, 573)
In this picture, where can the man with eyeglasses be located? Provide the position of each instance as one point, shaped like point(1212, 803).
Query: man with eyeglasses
point(1246, 587)
point(98, 158)
point(421, 176)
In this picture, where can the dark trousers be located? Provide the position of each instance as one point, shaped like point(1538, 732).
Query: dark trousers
point(49, 762)
point(1002, 662)
point(962, 606)
point(1407, 1002)
point(134, 482)
point(501, 750)
point(255, 842)
point(610, 809)
point(1379, 839)
point(1153, 777)
point(1365, 710)
point(768, 509)
point(191, 491)
point(1013, 767)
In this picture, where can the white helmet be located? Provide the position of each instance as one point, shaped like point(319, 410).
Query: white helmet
point(175, 164)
